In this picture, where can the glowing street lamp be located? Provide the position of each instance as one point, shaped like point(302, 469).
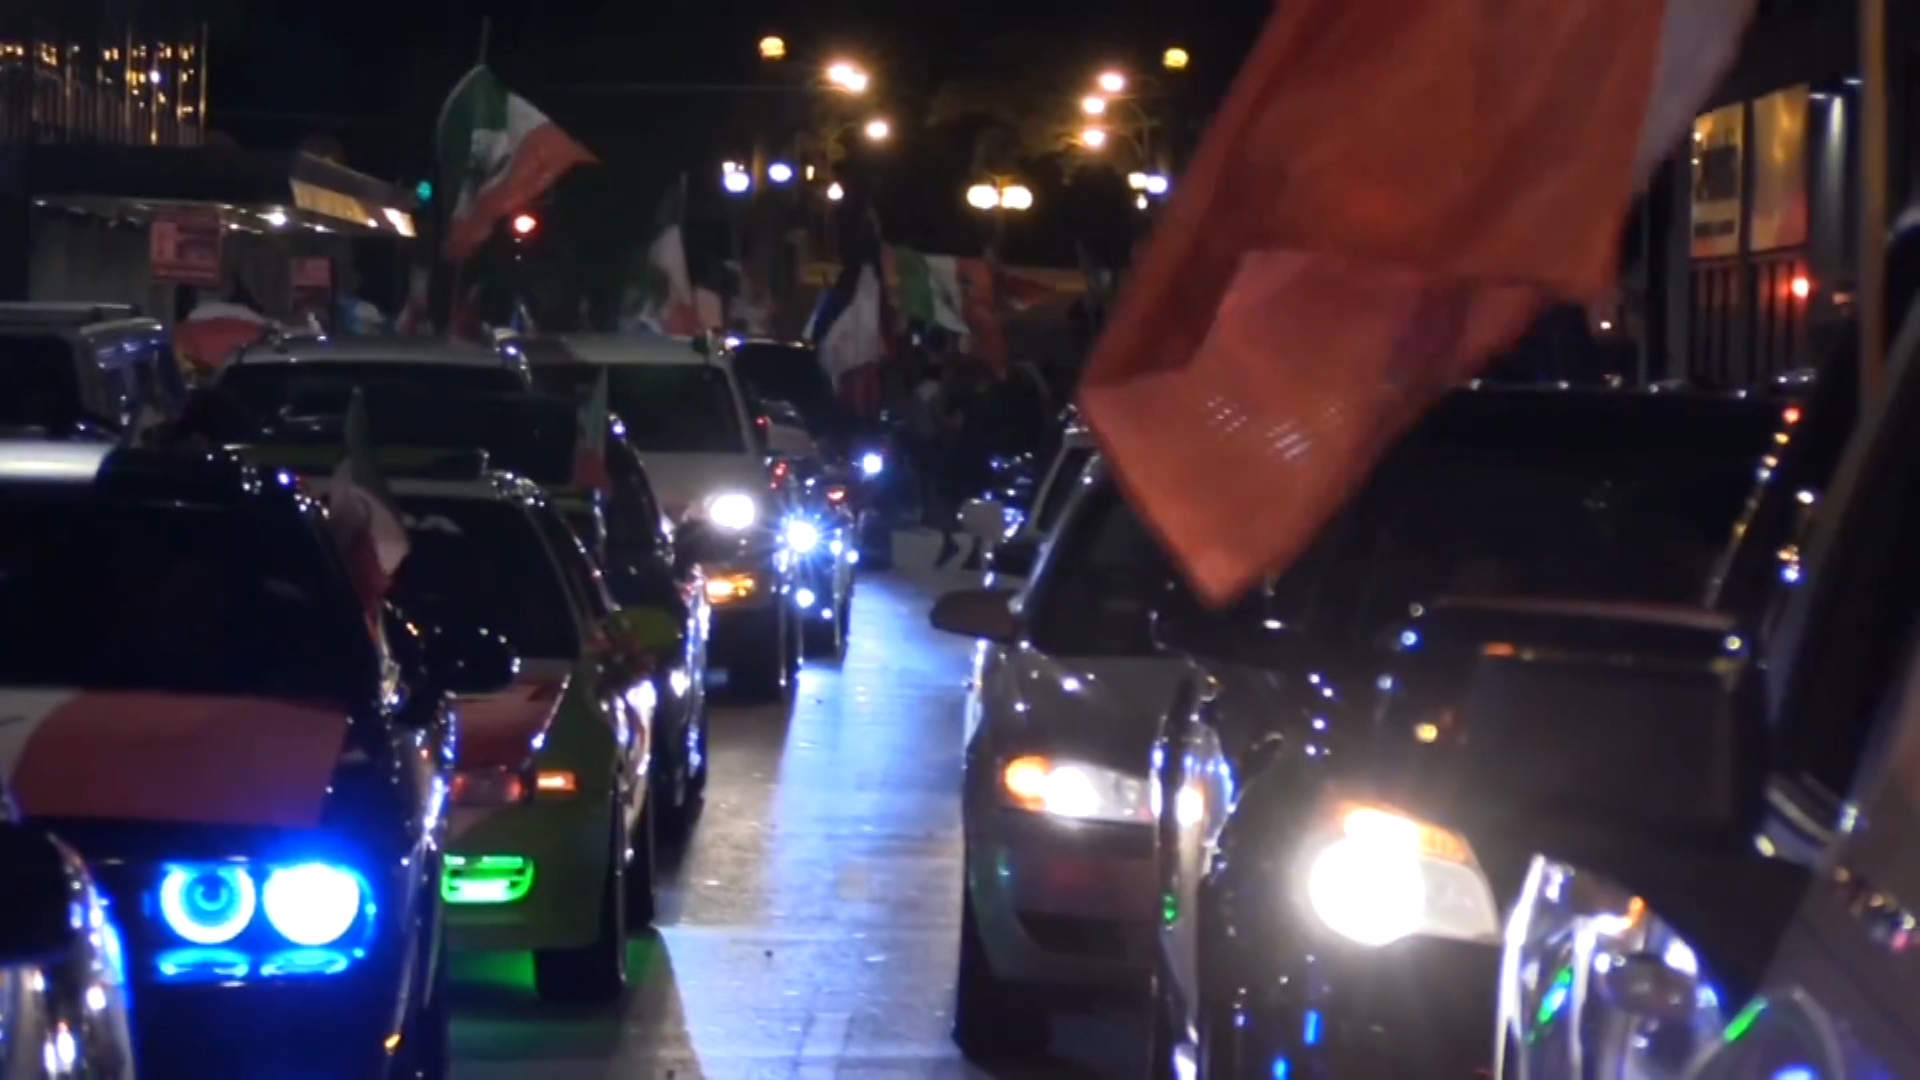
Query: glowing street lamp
point(983, 197)
point(1112, 82)
point(1093, 138)
point(524, 224)
point(1140, 202)
point(736, 182)
point(878, 129)
point(1157, 184)
point(1093, 105)
point(847, 77)
point(835, 192)
point(1175, 59)
point(780, 172)
point(773, 47)
point(1137, 181)
point(1016, 197)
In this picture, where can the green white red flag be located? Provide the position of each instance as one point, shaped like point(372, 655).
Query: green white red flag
point(497, 153)
point(590, 443)
point(672, 307)
point(1390, 192)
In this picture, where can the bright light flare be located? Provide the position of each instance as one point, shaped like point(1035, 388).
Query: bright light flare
point(1093, 105)
point(1175, 59)
point(1112, 82)
point(780, 172)
point(879, 130)
point(773, 47)
point(983, 197)
point(1017, 197)
point(835, 192)
point(736, 183)
point(1093, 138)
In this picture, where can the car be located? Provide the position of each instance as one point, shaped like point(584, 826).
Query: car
point(551, 847)
point(789, 373)
point(687, 418)
point(62, 953)
point(1275, 953)
point(536, 437)
point(1726, 808)
point(86, 371)
point(821, 536)
point(253, 765)
point(1058, 902)
point(1014, 537)
point(315, 376)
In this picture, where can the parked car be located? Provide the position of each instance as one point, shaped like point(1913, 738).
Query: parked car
point(84, 370)
point(1014, 537)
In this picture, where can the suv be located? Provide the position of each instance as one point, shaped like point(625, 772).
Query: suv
point(86, 370)
point(316, 376)
point(687, 417)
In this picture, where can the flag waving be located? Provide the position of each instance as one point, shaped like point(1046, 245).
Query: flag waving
point(671, 306)
point(498, 153)
point(1389, 193)
point(590, 445)
point(365, 525)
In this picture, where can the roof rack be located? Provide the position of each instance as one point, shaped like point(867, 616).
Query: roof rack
point(66, 314)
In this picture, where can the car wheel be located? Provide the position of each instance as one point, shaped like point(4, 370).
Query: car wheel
point(993, 1020)
point(825, 639)
point(425, 1053)
point(594, 973)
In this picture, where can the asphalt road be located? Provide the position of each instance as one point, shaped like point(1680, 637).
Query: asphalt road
point(809, 930)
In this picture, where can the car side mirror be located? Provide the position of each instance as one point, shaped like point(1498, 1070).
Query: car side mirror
point(977, 613)
point(1613, 737)
point(1013, 558)
point(984, 518)
point(40, 914)
point(467, 660)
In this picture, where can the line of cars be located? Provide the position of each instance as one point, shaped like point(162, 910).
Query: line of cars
point(1271, 824)
point(251, 804)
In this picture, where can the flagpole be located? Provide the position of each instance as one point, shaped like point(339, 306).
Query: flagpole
point(486, 34)
point(1874, 166)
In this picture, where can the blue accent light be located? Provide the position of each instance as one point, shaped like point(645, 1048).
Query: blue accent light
point(1796, 1072)
point(203, 965)
point(236, 921)
point(208, 905)
point(304, 962)
point(1281, 1067)
point(1310, 1030)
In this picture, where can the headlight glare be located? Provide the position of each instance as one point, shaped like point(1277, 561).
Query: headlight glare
point(802, 536)
point(872, 464)
point(312, 904)
point(207, 905)
point(733, 510)
point(1074, 790)
point(1387, 876)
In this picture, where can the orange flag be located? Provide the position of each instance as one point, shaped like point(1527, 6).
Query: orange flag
point(1390, 192)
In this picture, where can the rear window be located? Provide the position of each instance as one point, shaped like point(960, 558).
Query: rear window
point(482, 563)
point(522, 433)
point(668, 408)
point(272, 389)
point(39, 382)
point(160, 597)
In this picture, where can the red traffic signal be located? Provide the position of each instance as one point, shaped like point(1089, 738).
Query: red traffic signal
point(524, 224)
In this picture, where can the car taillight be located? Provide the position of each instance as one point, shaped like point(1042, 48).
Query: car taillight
point(488, 787)
point(836, 494)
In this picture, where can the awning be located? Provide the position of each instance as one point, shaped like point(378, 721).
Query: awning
point(261, 192)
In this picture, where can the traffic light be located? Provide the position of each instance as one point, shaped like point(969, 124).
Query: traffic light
point(423, 191)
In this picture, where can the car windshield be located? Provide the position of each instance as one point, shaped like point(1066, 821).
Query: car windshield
point(458, 543)
point(271, 389)
point(668, 408)
point(1073, 462)
point(1099, 589)
point(522, 433)
point(161, 597)
point(39, 383)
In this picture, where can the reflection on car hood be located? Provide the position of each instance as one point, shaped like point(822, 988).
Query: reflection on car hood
point(683, 480)
point(157, 757)
point(1100, 710)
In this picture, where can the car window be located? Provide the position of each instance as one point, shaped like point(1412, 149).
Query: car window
point(458, 542)
point(1098, 590)
point(161, 597)
point(323, 388)
point(522, 433)
point(576, 565)
point(667, 408)
point(39, 380)
point(1073, 461)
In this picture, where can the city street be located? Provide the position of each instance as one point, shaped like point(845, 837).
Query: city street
point(810, 931)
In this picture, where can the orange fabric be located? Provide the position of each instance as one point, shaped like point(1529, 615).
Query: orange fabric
point(988, 337)
point(1389, 193)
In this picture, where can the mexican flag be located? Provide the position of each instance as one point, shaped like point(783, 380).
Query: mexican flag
point(498, 153)
point(671, 305)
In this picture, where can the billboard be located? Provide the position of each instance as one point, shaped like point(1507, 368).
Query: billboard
point(1779, 151)
point(1718, 148)
point(184, 246)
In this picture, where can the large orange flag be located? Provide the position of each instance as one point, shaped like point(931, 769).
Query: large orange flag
point(1389, 193)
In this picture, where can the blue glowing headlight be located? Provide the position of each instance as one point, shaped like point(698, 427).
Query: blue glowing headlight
point(312, 904)
point(872, 464)
point(208, 905)
point(802, 536)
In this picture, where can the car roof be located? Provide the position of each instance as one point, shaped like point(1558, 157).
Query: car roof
point(492, 487)
point(648, 349)
point(112, 471)
point(370, 350)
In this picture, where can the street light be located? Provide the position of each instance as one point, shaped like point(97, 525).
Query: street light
point(524, 224)
point(878, 129)
point(1112, 82)
point(736, 182)
point(1140, 202)
point(1017, 197)
point(773, 47)
point(780, 172)
point(1157, 184)
point(1093, 138)
point(983, 197)
point(1014, 197)
point(1093, 105)
point(1137, 181)
point(1175, 59)
point(847, 77)
point(835, 192)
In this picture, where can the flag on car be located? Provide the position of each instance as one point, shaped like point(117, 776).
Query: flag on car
point(590, 442)
point(214, 330)
point(671, 306)
point(360, 509)
point(498, 153)
point(1390, 191)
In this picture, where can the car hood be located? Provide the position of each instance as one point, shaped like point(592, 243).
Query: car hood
point(1100, 710)
point(684, 480)
point(146, 756)
point(502, 730)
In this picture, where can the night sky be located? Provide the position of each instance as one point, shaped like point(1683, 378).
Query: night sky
point(283, 71)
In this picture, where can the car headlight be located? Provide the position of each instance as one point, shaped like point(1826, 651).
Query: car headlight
point(872, 464)
point(208, 905)
point(733, 510)
point(802, 536)
point(1074, 790)
point(1385, 876)
point(312, 904)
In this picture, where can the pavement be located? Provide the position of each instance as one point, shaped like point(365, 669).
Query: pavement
point(809, 930)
